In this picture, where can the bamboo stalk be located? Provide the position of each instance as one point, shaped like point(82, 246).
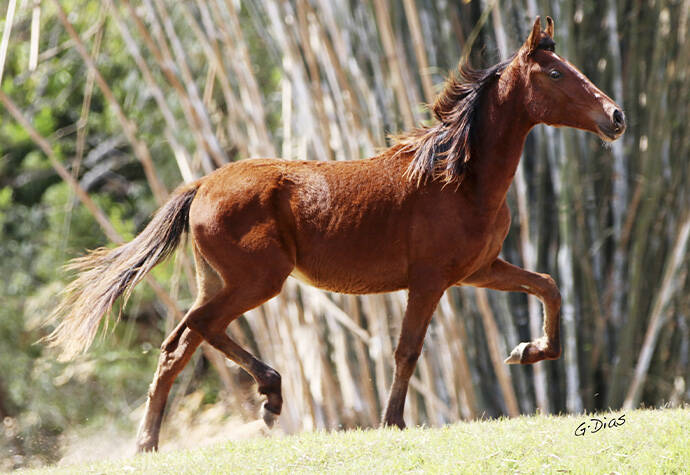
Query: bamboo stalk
point(458, 335)
point(638, 280)
point(496, 352)
point(286, 117)
point(314, 76)
point(191, 93)
point(418, 43)
point(472, 37)
point(180, 60)
point(35, 36)
point(395, 63)
point(306, 394)
point(183, 160)
point(164, 60)
point(379, 347)
point(674, 260)
point(619, 175)
point(567, 168)
point(231, 33)
point(129, 128)
point(82, 124)
point(447, 370)
point(457, 25)
point(294, 67)
point(366, 384)
point(345, 389)
point(353, 85)
point(212, 52)
point(4, 43)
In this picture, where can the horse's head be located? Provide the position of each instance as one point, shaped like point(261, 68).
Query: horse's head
point(558, 94)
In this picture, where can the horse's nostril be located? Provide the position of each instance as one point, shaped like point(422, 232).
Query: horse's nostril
point(618, 119)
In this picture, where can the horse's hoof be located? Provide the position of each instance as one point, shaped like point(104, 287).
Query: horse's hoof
point(517, 354)
point(143, 448)
point(269, 416)
point(393, 422)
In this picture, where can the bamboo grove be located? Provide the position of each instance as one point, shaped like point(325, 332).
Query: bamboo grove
point(221, 80)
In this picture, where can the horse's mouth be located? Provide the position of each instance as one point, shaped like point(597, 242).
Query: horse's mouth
point(608, 133)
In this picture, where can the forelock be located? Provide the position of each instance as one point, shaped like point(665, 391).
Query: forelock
point(547, 43)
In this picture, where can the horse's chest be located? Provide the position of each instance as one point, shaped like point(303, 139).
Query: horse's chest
point(477, 242)
point(494, 235)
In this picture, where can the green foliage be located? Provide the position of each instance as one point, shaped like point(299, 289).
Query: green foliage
point(42, 226)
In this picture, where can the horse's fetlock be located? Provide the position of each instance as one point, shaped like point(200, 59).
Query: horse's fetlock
point(553, 352)
point(270, 382)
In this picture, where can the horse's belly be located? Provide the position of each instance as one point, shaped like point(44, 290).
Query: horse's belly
point(351, 279)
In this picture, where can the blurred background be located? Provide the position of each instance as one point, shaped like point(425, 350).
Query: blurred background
point(106, 106)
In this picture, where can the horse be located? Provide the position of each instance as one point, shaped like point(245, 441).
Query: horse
point(426, 214)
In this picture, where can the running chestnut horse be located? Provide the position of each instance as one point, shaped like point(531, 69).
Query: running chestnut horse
point(426, 214)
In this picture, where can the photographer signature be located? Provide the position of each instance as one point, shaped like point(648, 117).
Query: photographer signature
point(594, 425)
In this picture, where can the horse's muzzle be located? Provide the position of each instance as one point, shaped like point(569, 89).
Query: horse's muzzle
point(614, 127)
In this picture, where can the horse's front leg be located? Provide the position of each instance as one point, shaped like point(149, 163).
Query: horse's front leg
point(420, 307)
point(500, 275)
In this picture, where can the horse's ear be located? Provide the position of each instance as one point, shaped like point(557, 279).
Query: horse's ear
point(533, 39)
point(549, 26)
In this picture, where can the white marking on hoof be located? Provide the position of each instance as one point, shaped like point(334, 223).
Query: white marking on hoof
point(516, 355)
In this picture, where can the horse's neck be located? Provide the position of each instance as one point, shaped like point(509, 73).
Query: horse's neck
point(502, 131)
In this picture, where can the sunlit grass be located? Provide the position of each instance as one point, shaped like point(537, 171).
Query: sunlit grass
point(649, 441)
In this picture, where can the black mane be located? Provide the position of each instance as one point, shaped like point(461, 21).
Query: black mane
point(442, 151)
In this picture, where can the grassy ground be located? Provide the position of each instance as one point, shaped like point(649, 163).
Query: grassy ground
point(649, 441)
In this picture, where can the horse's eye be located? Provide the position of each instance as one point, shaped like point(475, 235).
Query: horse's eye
point(555, 74)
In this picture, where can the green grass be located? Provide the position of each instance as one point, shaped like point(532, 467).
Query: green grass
point(650, 441)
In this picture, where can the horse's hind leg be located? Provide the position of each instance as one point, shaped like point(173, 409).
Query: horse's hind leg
point(175, 355)
point(176, 351)
point(251, 285)
point(210, 322)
